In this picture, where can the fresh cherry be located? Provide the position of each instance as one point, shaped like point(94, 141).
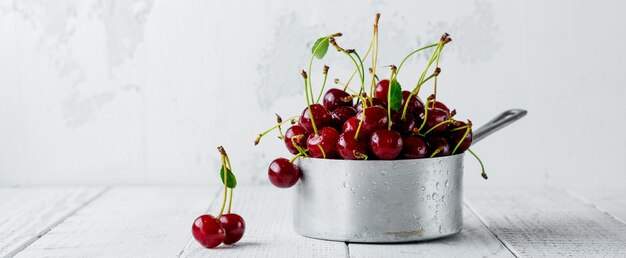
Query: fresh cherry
point(386, 144)
point(415, 104)
point(438, 146)
point(382, 90)
point(321, 116)
point(349, 148)
point(323, 145)
point(282, 173)
point(404, 127)
point(335, 98)
point(300, 135)
point(371, 103)
point(234, 225)
point(350, 125)
point(414, 148)
point(340, 115)
point(434, 117)
point(456, 136)
point(439, 105)
point(207, 231)
point(375, 118)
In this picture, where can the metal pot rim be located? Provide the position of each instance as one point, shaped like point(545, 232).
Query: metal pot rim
point(455, 156)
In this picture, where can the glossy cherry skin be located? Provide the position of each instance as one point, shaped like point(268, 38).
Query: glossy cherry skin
point(335, 98)
point(326, 139)
point(207, 231)
point(301, 135)
point(454, 137)
point(234, 226)
point(282, 173)
point(404, 127)
point(434, 117)
point(347, 146)
point(415, 105)
point(386, 144)
point(340, 115)
point(371, 103)
point(382, 90)
point(375, 118)
point(320, 115)
point(350, 125)
point(440, 105)
point(438, 142)
point(414, 148)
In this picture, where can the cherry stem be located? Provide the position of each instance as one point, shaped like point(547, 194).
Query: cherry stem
point(359, 155)
point(483, 174)
point(414, 52)
point(308, 103)
point(435, 152)
point(355, 71)
point(230, 201)
point(258, 139)
point(425, 113)
point(348, 53)
point(467, 130)
point(439, 124)
point(313, 56)
point(406, 105)
point(295, 157)
point(297, 146)
point(225, 182)
point(393, 73)
point(323, 84)
point(374, 55)
point(322, 150)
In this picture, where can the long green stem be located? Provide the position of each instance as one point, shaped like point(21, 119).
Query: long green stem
point(438, 125)
point(308, 103)
point(295, 157)
point(462, 139)
point(406, 106)
point(311, 64)
point(256, 141)
point(225, 188)
point(412, 53)
point(483, 174)
point(355, 71)
point(323, 84)
point(230, 201)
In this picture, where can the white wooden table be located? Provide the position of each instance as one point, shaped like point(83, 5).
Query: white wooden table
point(156, 222)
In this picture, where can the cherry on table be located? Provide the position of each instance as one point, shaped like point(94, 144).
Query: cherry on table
point(350, 125)
point(414, 148)
point(323, 145)
point(375, 118)
point(386, 144)
point(349, 148)
point(434, 117)
point(320, 115)
point(340, 115)
point(301, 135)
point(282, 173)
point(438, 146)
point(207, 231)
point(335, 98)
point(234, 227)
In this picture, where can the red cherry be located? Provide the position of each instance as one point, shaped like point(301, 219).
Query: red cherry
point(382, 90)
point(414, 148)
point(375, 118)
point(438, 144)
point(434, 117)
point(341, 115)
point(335, 98)
point(301, 135)
point(454, 137)
point(234, 225)
point(347, 146)
point(404, 127)
point(386, 144)
point(320, 115)
point(326, 139)
point(282, 173)
point(207, 231)
point(439, 105)
point(350, 125)
point(415, 104)
point(371, 103)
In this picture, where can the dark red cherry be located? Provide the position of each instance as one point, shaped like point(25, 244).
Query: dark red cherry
point(415, 104)
point(300, 135)
point(341, 115)
point(370, 103)
point(434, 117)
point(349, 148)
point(375, 118)
point(207, 231)
point(414, 148)
point(234, 226)
point(320, 115)
point(282, 173)
point(350, 125)
point(382, 90)
point(456, 136)
point(439, 145)
point(323, 145)
point(403, 126)
point(440, 105)
point(335, 98)
point(386, 144)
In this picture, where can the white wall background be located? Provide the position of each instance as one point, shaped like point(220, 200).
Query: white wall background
point(141, 92)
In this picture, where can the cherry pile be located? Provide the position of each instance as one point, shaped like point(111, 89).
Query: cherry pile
point(226, 228)
point(386, 123)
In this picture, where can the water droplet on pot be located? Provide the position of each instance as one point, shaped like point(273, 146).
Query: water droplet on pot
point(440, 230)
point(423, 188)
point(446, 184)
point(373, 182)
point(443, 198)
point(422, 199)
point(428, 197)
point(426, 172)
point(383, 173)
point(435, 196)
point(385, 183)
point(345, 185)
point(437, 185)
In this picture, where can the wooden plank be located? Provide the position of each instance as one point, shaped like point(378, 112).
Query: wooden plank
point(547, 222)
point(127, 222)
point(474, 241)
point(267, 212)
point(609, 200)
point(28, 213)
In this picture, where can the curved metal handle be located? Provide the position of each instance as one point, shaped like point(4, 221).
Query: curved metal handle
point(499, 122)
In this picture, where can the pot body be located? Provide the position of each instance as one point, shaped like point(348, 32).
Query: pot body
point(379, 201)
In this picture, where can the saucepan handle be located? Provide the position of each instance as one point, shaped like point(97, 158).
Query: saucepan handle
point(499, 122)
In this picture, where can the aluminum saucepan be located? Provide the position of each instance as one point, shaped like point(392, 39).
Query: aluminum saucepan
point(385, 201)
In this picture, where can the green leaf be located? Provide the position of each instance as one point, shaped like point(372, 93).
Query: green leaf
point(395, 95)
point(232, 181)
point(320, 47)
